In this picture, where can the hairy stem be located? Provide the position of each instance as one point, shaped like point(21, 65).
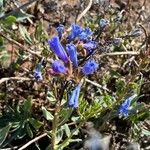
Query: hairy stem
point(56, 117)
point(54, 126)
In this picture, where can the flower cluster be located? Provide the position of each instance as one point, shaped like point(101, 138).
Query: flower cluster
point(78, 40)
point(77, 43)
point(70, 51)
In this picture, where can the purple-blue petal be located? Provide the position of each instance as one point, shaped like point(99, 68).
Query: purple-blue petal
point(74, 97)
point(89, 46)
point(124, 107)
point(72, 51)
point(60, 30)
point(37, 73)
point(58, 49)
point(75, 31)
point(85, 34)
point(58, 67)
point(89, 67)
point(103, 23)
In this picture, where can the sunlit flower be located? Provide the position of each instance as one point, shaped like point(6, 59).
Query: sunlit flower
point(90, 67)
point(85, 34)
point(89, 46)
point(60, 30)
point(103, 23)
point(75, 31)
point(124, 108)
point(57, 48)
point(72, 51)
point(38, 73)
point(73, 99)
point(58, 67)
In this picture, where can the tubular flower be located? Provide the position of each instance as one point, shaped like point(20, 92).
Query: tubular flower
point(73, 99)
point(75, 31)
point(57, 48)
point(124, 108)
point(89, 46)
point(60, 30)
point(72, 51)
point(90, 67)
point(38, 73)
point(103, 23)
point(58, 67)
point(84, 35)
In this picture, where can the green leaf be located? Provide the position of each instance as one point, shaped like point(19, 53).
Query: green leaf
point(75, 119)
point(22, 16)
point(75, 140)
point(64, 115)
point(49, 147)
point(1, 41)
point(47, 114)
point(27, 105)
point(51, 98)
point(146, 132)
point(120, 86)
point(10, 20)
point(67, 130)
point(108, 100)
point(25, 35)
point(1, 3)
point(29, 131)
point(39, 31)
point(59, 135)
point(5, 59)
point(35, 123)
point(3, 133)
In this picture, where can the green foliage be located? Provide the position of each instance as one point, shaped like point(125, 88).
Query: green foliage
point(47, 114)
point(4, 132)
point(18, 122)
point(25, 34)
point(119, 77)
point(9, 20)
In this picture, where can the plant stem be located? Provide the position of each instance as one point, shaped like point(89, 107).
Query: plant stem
point(56, 117)
point(54, 126)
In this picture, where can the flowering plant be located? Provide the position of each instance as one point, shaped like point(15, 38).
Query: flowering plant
point(70, 84)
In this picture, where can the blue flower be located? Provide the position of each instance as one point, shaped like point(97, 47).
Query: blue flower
point(58, 67)
point(78, 32)
point(90, 67)
point(124, 108)
point(72, 51)
point(89, 46)
point(57, 48)
point(73, 99)
point(103, 23)
point(75, 31)
point(38, 73)
point(84, 35)
point(60, 30)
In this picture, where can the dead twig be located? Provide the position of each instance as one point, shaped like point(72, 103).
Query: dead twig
point(32, 141)
point(14, 78)
point(20, 45)
point(97, 85)
point(85, 11)
point(120, 53)
point(23, 47)
point(12, 148)
point(82, 14)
